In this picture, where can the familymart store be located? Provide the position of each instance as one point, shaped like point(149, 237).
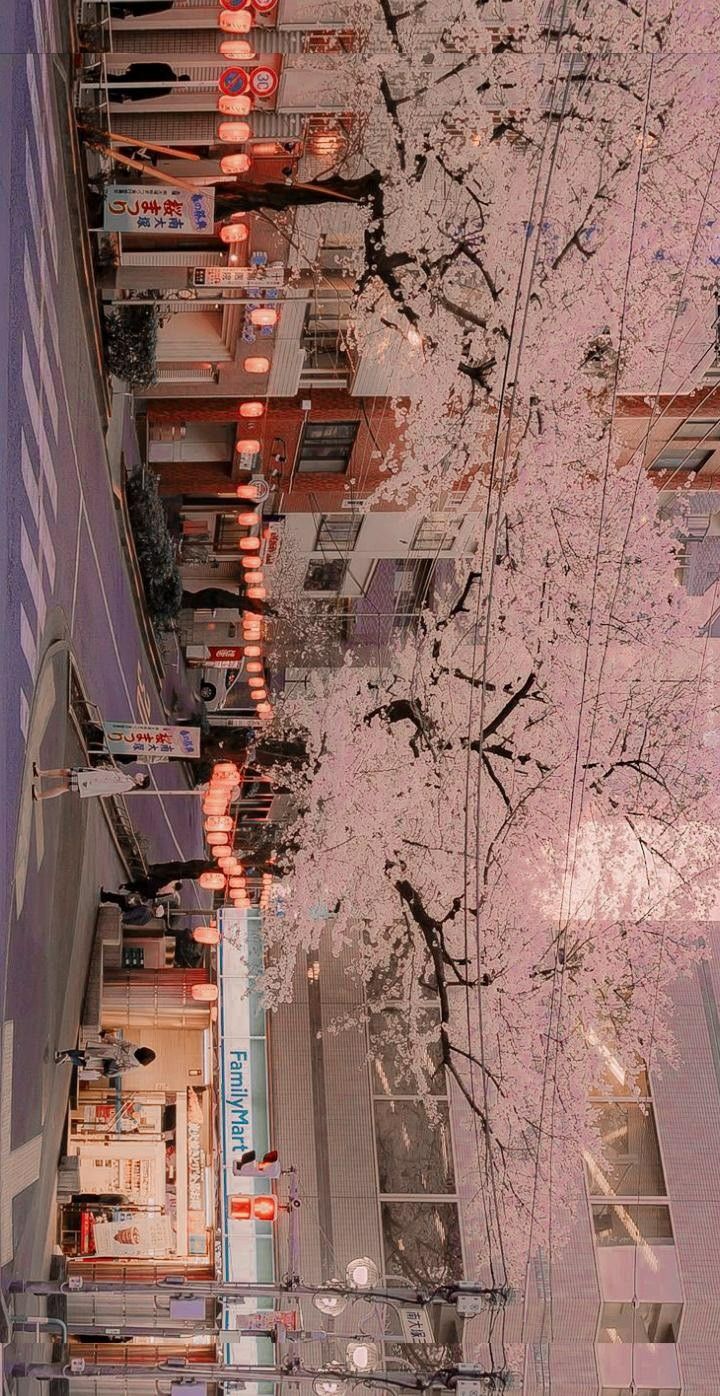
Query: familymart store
point(244, 1247)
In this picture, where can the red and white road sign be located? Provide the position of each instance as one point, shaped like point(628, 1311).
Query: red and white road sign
point(264, 82)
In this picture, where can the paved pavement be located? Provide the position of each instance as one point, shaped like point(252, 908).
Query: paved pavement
point(67, 593)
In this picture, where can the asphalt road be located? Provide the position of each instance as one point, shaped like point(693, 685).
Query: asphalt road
point(67, 594)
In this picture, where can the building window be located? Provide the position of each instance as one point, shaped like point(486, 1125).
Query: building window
point(228, 533)
point(338, 533)
point(421, 1241)
point(698, 428)
point(640, 1391)
point(436, 534)
point(414, 1150)
point(680, 458)
point(325, 575)
point(639, 1323)
point(631, 1166)
point(391, 1071)
point(326, 447)
point(631, 1224)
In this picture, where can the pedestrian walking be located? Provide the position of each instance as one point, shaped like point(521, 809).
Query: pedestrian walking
point(111, 1056)
point(158, 875)
point(86, 781)
point(134, 9)
point(144, 73)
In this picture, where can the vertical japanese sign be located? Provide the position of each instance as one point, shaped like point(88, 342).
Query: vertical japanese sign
point(134, 738)
point(150, 208)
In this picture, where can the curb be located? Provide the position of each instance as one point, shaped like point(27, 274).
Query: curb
point(76, 201)
point(127, 542)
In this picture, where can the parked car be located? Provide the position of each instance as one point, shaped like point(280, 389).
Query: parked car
point(216, 686)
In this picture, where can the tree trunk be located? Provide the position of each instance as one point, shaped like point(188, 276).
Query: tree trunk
point(254, 197)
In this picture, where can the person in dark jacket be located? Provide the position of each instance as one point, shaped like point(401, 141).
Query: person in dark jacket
point(216, 599)
point(143, 73)
point(135, 9)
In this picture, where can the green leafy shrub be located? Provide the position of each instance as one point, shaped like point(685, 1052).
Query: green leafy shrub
point(131, 344)
point(155, 550)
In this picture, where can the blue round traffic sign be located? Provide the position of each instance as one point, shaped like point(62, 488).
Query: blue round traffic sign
point(233, 82)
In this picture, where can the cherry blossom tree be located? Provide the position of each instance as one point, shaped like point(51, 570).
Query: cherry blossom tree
point(509, 822)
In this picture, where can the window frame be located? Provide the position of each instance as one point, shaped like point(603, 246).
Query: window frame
point(325, 542)
point(685, 465)
point(319, 435)
point(444, 527)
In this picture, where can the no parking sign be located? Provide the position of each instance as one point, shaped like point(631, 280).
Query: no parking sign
point(233, 82)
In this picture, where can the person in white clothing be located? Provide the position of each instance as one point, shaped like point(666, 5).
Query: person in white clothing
point(86, 781)
point(109, 1057)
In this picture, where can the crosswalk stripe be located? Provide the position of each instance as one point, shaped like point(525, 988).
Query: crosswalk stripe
point(30, 479)
point(38, 75)
point(42, 225)
point(27, 640)
point(46, 546)
point(24, 714)
point(29, 565)
point(36, 317)
point(38, 427)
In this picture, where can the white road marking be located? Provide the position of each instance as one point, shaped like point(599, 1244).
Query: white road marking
point(27, 640)
point(20, 1167)
point(31, 187)
point(45, 235)
point(42, 102)
point(38, 426)
point(34, 579)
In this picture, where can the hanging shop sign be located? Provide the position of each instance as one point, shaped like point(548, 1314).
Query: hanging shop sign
point(243, 1089)
point(137, 739)
point(135, 1235)
point(254, 278)
point(268, 1321)
point(416, 1326)
point(272, 539)
point(195, 1154)
point(264, 82)
point(233, 82)
point(225, 656)
point(157, 208)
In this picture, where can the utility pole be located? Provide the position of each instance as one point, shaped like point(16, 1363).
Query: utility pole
point(468, 1297)
point(202, 1372)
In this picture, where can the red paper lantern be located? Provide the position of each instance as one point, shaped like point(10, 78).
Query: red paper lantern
point(206, 935)
point(236, 48)
point(219, 824)
point(256, 363)
point(249, 545)
point(234, 232)
point(251, 409)
point(204, 993)
point(235, 131)
point(234, 106)
point(235, 164)
point(212, 881)
point(264, 316)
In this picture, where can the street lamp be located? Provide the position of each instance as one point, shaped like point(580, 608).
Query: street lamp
point(329, 1303)
point(362, 1273)
point(362, 1356)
